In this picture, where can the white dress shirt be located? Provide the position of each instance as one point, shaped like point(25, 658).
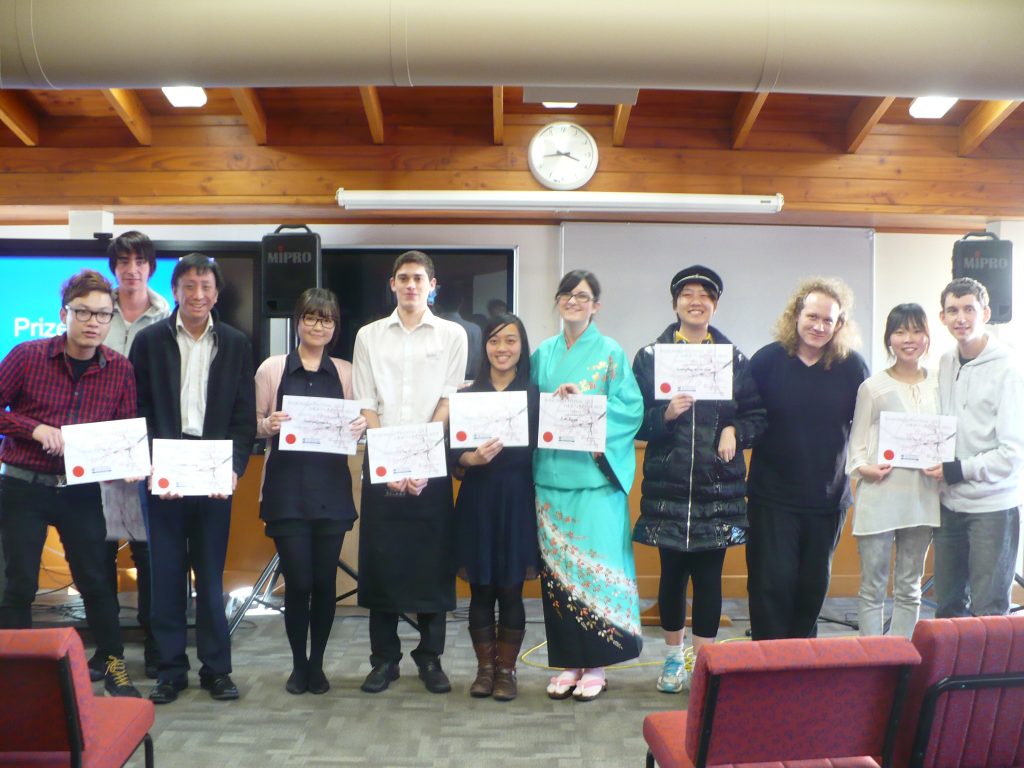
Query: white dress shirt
point(196, 356)
point(403, 374)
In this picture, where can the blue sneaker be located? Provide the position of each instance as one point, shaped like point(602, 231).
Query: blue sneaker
point(676, 672)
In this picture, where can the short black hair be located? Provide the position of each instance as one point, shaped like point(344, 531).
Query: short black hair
point(910, 316)
point(574, 278)
point(319, 301)
point(132, 243)
point(963, 286)
point(414, 257)
point(202, 264)
point(491, 327)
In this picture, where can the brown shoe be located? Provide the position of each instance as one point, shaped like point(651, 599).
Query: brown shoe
point(483, 645)
point(510, 641)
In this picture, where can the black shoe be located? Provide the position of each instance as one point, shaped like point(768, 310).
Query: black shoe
point(116, 681)
point(166, 691)
point(97, 667)
point(318, 682)
point(221, 687)
point(151, 659)
point(434, 678)
point(297, 682)
point(380, 677)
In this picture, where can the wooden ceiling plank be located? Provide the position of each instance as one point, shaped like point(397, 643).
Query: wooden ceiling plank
point(249, 105)
point(374, 114)
point(743, 118)
point(16, 114)
point(982, 121)
point(864, 118)
point(619, 123)
point(498, 113)
point(128, 106)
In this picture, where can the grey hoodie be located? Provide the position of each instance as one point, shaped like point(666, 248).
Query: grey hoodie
point(121, 335)
point(986, 395)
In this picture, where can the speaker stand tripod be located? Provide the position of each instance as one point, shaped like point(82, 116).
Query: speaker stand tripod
point(265, 584)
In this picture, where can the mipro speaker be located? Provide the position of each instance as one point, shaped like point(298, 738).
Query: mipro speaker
point(989, 260)
point(291, 263)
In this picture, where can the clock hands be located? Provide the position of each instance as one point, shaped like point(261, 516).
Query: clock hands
point(559, 153)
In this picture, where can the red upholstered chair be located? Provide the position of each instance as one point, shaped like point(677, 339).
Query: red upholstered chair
point(965, 703)
point(808, 703)
point(48, 713)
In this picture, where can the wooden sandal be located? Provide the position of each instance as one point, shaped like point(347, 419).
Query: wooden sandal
point(590, 687)
point(563, 684)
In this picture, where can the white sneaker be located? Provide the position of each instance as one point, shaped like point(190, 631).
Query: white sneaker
point(676, 672)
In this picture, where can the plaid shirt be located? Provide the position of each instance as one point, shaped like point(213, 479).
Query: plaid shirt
point(36, 383)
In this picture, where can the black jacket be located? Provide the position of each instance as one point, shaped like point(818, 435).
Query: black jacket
point(709, 512)
point(230, 392)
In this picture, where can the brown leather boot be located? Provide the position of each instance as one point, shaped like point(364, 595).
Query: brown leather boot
point(483, 644)
point(510, 641)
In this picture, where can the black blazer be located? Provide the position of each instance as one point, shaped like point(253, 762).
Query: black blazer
point(230, 392)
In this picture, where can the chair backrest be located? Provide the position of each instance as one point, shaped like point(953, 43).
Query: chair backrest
point(783, 700)
point(46, 696)
point(971, 728)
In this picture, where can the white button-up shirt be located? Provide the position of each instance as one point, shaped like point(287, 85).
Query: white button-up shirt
point(196, 356)
point(403, 374)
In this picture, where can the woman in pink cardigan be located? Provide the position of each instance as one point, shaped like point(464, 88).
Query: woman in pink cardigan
point(306, 497)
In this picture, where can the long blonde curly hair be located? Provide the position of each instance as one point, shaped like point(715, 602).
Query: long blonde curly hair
point(846, 337)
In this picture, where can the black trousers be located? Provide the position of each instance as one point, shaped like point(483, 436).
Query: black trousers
point(789, 564)
point(183, 533)
point(385, 645)
point(140, 556)
point(705, 569)
point(26, 509)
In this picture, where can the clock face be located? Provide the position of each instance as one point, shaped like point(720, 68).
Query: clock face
point(563, 156)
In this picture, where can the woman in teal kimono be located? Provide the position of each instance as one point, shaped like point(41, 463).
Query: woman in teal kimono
point(588, 579)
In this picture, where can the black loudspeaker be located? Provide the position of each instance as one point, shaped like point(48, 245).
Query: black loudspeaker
point(989, 260)
point(291, 263)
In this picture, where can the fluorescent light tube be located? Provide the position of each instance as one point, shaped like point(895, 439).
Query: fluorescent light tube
point(185, 95)
point(931, 107)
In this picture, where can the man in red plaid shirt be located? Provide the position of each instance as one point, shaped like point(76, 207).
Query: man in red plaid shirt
point(68, 379)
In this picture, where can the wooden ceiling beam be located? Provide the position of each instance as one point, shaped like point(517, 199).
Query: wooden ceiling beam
point(864, 118)
point(745, 115)
point(619, 124)
point(498, 113)
point(16, 114)
point(128, 106)
point(249, 105)
point(374, 115)
point(984, 119)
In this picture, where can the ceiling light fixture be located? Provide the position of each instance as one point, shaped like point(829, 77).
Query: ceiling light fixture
point(931, 107)
point(560, 104)
point(185, 95)
point(565, 202)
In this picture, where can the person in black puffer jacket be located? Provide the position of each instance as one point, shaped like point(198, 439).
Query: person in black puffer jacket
point(693, 504)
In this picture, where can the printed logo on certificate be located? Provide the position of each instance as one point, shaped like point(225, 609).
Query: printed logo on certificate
point(105, 450)
point(410, 451)
point(915, 440)
point(318, 424)
point(702, 371)
point(573, 423)
point(476, 417)
point(192, 467)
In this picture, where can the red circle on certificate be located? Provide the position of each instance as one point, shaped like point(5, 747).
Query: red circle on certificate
point(78, 471)
point(381, 471)
point(163, 482)
point(666, 387)
point(290, 439)
point(548, 437)
point(460, 435)
point(889, 455)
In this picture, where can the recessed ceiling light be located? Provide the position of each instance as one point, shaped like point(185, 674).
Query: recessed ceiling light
point(185, 95)
point(560, 104)
point(931, 107)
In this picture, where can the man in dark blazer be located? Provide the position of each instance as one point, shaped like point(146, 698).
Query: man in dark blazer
point(194, 376)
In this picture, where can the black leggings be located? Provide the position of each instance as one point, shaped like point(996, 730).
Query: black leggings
point(511, 612)
point(705, 568)
point(309, 564)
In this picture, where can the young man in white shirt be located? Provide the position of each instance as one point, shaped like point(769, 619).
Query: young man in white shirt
point(981, 384)
point(405, 366)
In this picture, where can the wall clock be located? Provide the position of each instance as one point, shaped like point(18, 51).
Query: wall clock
point(563, 156)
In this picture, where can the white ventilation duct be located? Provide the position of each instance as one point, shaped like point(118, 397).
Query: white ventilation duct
point(860, 47)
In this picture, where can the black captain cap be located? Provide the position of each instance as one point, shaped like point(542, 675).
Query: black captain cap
point(697, 274)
